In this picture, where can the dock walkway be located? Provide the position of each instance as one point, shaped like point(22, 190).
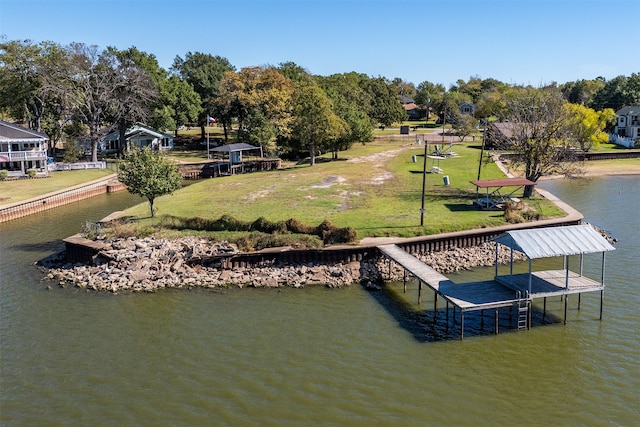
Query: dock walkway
point(513, 291)
point(466, 296)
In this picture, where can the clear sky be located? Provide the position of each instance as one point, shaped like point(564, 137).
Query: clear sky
point(515, 41)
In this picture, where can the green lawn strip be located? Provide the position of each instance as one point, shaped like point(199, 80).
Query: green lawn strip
point(379, 197)
point(23, 189)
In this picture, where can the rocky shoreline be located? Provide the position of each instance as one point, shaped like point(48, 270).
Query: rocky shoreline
point(148, 265)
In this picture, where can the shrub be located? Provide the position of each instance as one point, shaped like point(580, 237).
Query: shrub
point(263, 233)
point(72, 153)
point(296, 227)
point(229, 223)
point(4, 174)
point(91, 230)
point(330, 234)
point(31, 172)
point(265, 226)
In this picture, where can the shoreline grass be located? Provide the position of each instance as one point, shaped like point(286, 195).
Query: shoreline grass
point(23, 189)
point(375, 189)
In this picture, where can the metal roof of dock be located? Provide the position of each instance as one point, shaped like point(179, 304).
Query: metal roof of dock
point(241, 146)
point(555, 241)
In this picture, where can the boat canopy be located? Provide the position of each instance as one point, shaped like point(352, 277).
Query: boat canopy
point(555, 241)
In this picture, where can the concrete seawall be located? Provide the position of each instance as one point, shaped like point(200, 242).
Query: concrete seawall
point(108, 184)
point(79, 249)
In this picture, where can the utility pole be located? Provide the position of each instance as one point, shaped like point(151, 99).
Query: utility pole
point(424, 181)
point(444, 123)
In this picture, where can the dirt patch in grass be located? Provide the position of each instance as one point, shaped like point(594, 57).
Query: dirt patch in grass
point(378, 161)
point(380, 179)
point(329, 181)
point(258, 195)
point(379, 158)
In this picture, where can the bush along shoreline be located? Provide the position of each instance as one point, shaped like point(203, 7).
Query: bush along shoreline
point(150, 264)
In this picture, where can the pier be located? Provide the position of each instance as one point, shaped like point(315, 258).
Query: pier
point(515, 290)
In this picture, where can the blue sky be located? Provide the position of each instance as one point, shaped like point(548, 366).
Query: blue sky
point(515, 41)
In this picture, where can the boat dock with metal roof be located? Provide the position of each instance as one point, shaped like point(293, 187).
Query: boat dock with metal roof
point(516, 290)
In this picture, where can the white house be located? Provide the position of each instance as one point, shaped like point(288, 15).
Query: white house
point(22, 149)
point(137, 135)
point(627, 129)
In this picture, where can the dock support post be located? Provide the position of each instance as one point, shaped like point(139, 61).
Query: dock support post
point(579, 300)
point(496, 321)
point(419, 292)
point(404, 280)
point(544, 308)
point(566, 298)
point(435, 307)
point(447, 315)
point(529, 314)
point(601, 301)
point(461, 324)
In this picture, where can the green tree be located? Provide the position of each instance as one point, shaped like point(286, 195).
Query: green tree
point(204, 72)
point(491, 104)
point(149, 174)
point(588, 125)
point(182, 102)
point(464, 125)
point(582, 91)
point(385, 107)
point(618, 92)
point(404, 88)
point(358, 124)
point(350, 103)
point(429, 94)
point(315, 125)
point(20, 82)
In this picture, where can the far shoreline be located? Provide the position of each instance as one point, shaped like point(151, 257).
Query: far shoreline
point(594, 171)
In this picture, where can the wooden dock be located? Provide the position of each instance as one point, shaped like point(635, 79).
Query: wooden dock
point(466, 296)
point(505, 291)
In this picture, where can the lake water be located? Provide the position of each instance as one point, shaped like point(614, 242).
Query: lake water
point(312, 356)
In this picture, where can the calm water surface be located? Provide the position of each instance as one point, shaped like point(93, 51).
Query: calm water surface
point(311, 356)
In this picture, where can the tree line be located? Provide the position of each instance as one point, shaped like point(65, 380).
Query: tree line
point(82, 91)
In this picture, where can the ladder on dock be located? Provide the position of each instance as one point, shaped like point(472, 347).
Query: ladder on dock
point(523, 309)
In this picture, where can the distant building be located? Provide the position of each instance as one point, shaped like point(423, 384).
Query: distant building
point(627, 129)
point(137, 135)
point(500, 134)
point(22, 149)
point(467, 108)
point(414, 112)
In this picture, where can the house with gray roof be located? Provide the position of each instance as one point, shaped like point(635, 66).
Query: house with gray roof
point(22, 149)
point(627, 129)
point(138, 135)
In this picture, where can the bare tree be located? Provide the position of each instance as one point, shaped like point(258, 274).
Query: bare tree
point(91, 84)
point(134, 90)
point(539, 138)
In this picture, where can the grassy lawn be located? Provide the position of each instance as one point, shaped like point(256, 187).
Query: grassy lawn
point(377, 192)
point(23, 189)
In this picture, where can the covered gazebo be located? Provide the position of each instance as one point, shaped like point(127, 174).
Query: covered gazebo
point(234, 153)
point(551, 242)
